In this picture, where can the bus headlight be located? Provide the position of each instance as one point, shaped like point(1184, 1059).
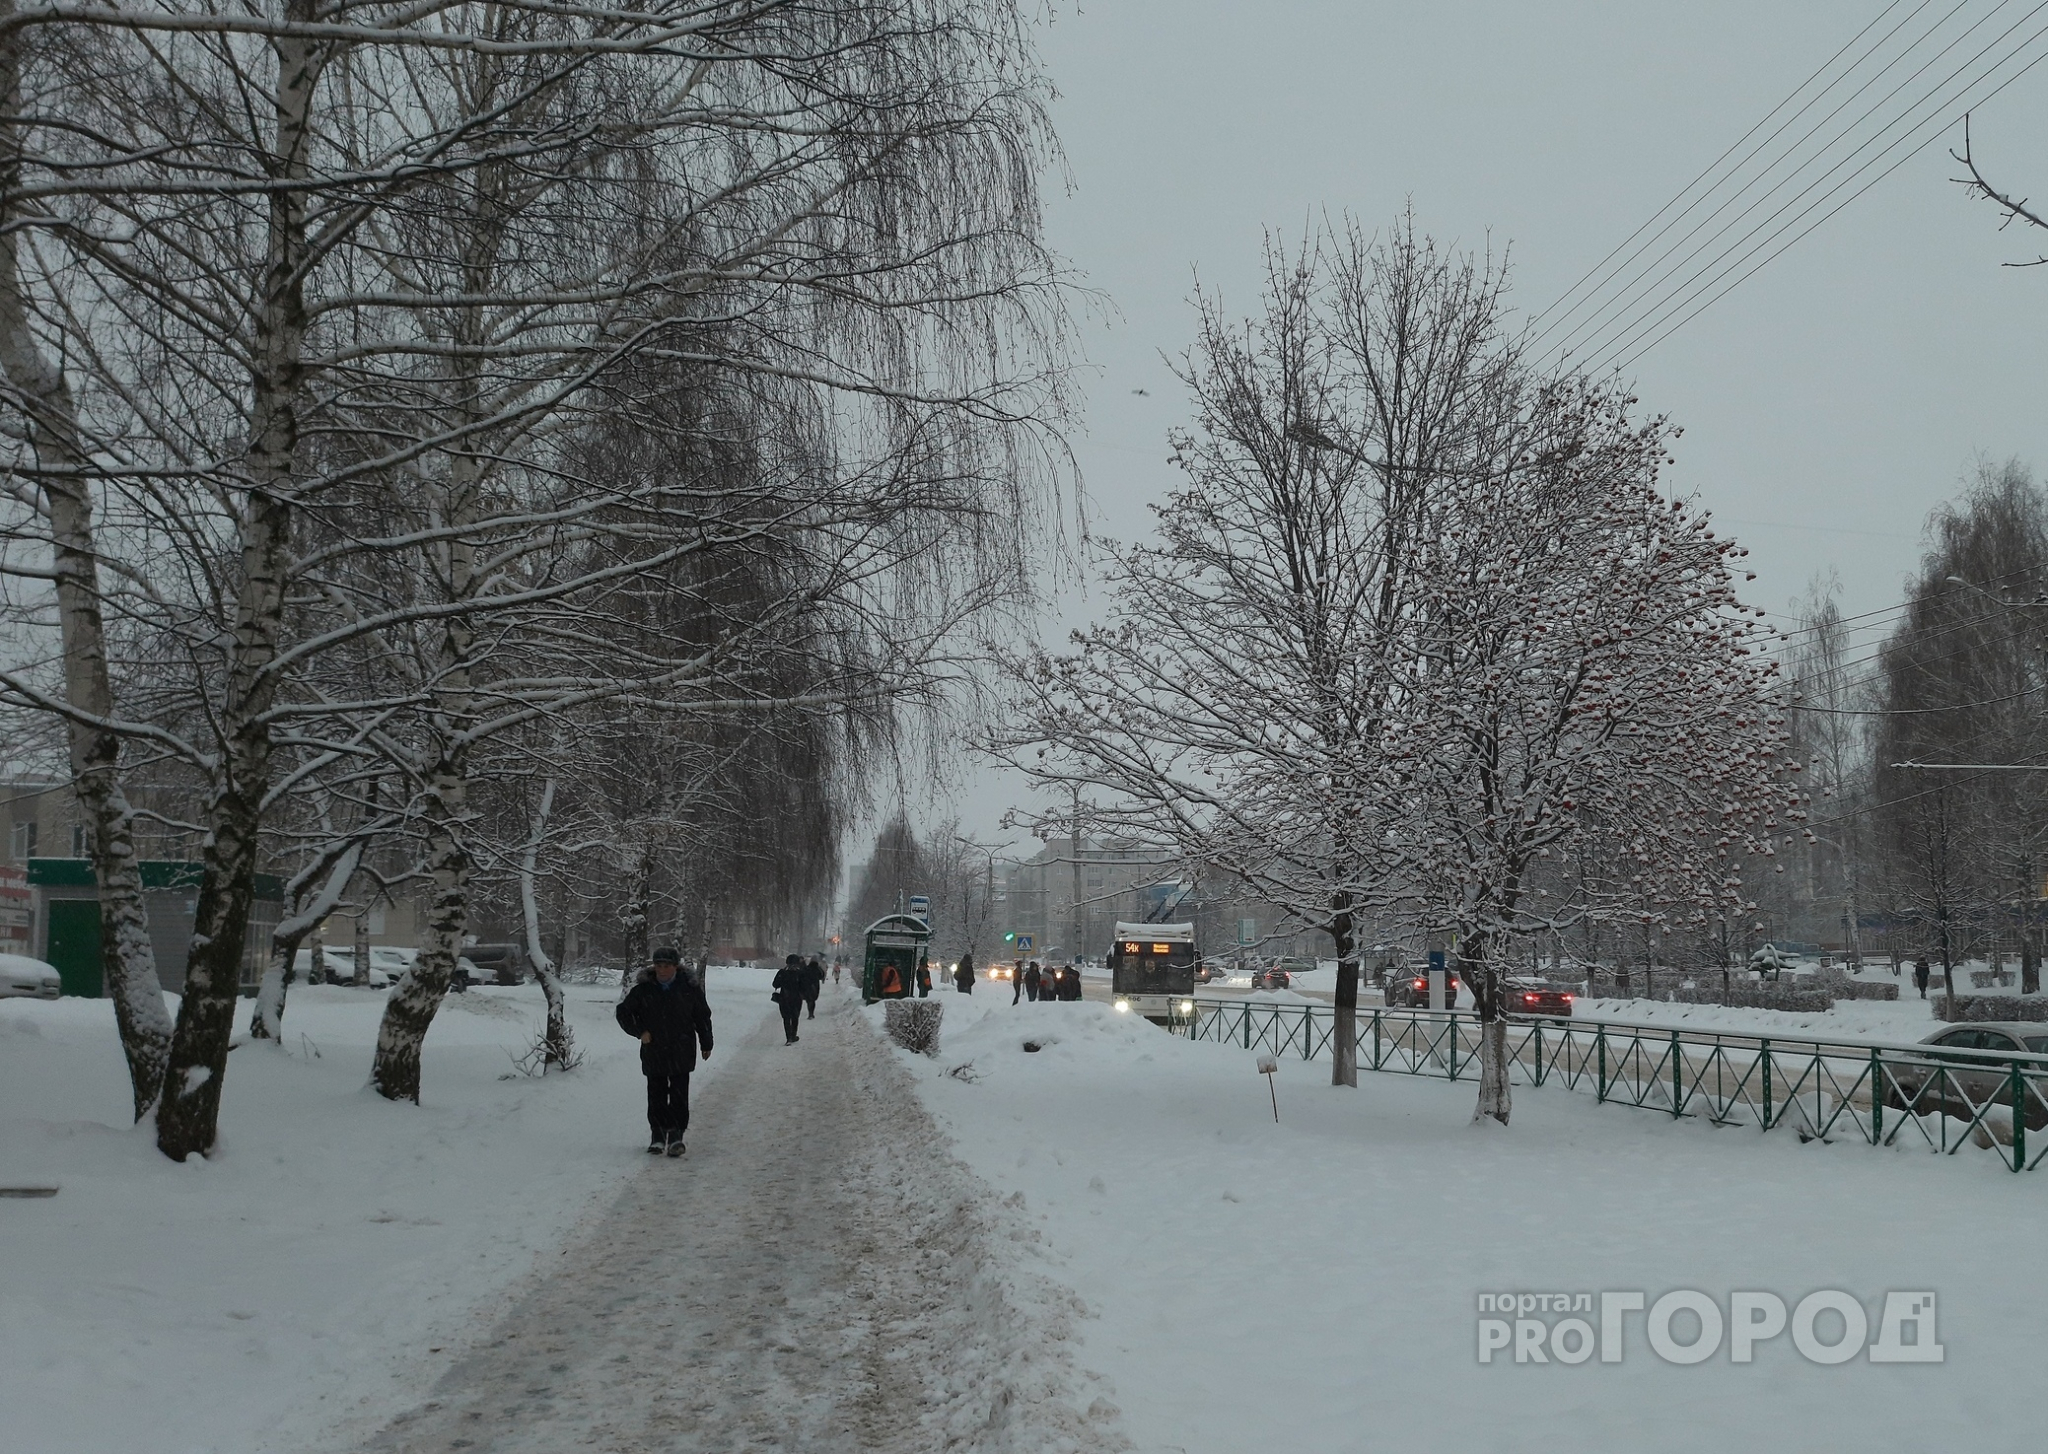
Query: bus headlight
point(1187, 1007)
point(1123, 1007)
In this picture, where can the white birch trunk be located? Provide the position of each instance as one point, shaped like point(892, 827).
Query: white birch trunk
point(127, 959)
point(556, 1039)
point(188, 1116)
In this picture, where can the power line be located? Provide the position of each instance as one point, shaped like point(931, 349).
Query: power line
point(1625, 330)
point(1765, 171)
point(1942, 120)
point(1709, 171)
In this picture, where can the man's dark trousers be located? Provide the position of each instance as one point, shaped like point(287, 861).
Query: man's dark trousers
point(791, 1009)
point(668, 1104)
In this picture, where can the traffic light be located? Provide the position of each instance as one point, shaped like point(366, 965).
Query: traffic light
point(1011, 937)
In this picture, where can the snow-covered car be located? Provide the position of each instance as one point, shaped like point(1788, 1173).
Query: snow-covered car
point(337, 964)
point(1961, 1070)
point(499, 963)
point(24, 978)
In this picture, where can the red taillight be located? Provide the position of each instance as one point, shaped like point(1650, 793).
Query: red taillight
point(1420, 984)
point(1528, 999)
point(1567, 999)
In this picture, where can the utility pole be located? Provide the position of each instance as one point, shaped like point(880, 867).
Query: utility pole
point(1074, 917)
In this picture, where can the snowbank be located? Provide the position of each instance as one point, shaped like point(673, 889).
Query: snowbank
point(1313, 1284)
point(325, 1263)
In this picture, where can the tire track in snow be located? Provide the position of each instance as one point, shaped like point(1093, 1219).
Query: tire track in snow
point(819, 1273)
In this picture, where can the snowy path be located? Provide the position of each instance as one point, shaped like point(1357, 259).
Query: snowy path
point(817, 1274)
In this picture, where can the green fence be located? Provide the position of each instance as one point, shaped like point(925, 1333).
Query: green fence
point(1886, 1094)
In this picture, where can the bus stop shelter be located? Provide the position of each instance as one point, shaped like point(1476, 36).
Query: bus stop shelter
point(896, 945)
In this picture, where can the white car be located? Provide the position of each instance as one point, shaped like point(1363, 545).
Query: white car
point(337, 965)
point(25, 978)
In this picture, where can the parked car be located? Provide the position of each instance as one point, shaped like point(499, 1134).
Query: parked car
point(24, 978)
point(498, 963)
point(1949, 1079)
point(1209, 971)
point(1524, 996)
point(337, 965)
point(1409, 990)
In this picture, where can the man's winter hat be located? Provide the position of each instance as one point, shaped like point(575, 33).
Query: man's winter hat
point(665, 955)
point(792, 959)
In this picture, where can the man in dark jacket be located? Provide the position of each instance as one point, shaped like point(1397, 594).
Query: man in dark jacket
point(1031, 981)
point(788, 994)
point(667, 1013)
point(1920, 975)
point(963, 975)
point(924, 980)
point(814, 980)
point(1070, 983)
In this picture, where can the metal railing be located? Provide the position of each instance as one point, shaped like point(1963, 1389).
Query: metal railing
point(1884, 1093)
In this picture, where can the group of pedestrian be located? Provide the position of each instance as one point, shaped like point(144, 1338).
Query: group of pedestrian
point(795, 988)
point(1051, 982)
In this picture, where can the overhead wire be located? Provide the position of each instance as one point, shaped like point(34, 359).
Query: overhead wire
point(1713, 166)
point(1564, 344)
point(1628, 324)
point(1939, 122)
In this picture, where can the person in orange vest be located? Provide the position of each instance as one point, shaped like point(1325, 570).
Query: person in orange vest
point(890, 985)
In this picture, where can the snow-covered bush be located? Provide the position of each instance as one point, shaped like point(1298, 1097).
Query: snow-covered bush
point(1754, 995)
point(914, 1024)
point(1997, 1007)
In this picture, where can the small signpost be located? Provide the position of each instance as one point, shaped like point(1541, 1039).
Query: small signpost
point(921, 906)
point(1269, 1066)
point(1024, 943)
point(1439, 980)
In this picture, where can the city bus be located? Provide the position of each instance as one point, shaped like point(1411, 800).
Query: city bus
point(1152, 970)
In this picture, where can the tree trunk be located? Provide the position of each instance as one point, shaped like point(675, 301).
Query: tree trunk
point(2030, 964)
point(1948, 970)
point(127, 958)
point(555, 1040)
point(188, 1118)
point(266, 1021)
point(1344, 1041)
point(1495, 1099)
point(417, 996)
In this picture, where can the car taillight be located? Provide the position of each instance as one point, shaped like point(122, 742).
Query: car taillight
point(1528, 999)
point(1420, 984)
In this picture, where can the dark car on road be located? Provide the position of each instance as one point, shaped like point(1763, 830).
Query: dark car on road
point(1270, 977)
point(1534, 997)
point(1409, 990)
point(1962, 1070)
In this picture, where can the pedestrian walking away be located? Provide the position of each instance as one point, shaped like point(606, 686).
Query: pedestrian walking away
point(667, 1013)
point(963, 975)
point(788, 994)
point(1031, 981)
point(1016, 982)
point(835, 971)
point(1920, 975)
point(814, 981)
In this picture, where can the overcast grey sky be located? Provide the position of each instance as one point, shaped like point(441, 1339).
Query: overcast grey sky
point(1828, 403)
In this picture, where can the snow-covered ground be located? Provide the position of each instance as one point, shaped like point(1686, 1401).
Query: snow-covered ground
point(245, 1302)
point(1313, 1284)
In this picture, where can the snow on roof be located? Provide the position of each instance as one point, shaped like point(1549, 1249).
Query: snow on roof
point(1126, 930)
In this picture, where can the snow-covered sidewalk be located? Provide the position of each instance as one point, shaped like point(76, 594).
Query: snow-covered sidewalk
point(821, 1266)
point(1314, 1284)
point(814, 1275)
